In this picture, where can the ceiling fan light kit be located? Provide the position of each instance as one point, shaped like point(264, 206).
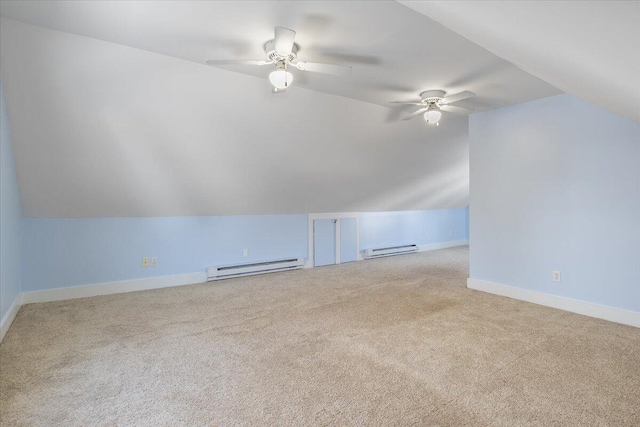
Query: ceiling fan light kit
point(432, 116)
point(281, 78)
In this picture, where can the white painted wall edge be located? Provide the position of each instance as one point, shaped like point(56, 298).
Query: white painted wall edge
point(617, 315)
point(8, 318)
point(123, 286)
point(442, 245)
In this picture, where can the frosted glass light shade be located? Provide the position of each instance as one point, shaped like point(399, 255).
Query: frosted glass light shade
point(281, 79)
point(432, 116)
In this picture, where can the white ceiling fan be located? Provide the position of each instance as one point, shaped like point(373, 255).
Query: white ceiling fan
point(433, 102)
point(282, 51)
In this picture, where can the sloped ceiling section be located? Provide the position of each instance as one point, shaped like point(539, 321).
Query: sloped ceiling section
point(589, 49)
point(100, 129)
point(395, 52)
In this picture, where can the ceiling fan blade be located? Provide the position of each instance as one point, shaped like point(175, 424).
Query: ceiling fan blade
point(456, 110)
point(236, 62)
point(415, 113)
point(316, 67)
point(344, 57)
point(457, 97)
point(284, 38)
point(406, 103)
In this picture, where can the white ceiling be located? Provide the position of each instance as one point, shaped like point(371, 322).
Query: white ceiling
point(113, 112)
point(99, 129)
point(589, 49)
point(395, 52)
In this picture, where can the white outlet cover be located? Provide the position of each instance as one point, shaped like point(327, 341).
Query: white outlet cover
point(245, 252)
point(154, 262)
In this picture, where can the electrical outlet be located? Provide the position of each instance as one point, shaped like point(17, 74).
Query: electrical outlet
point(245, 252)
point(154, 261)
point(426, 235)
point(450, 232)
point(557, 276)
point(145, 262)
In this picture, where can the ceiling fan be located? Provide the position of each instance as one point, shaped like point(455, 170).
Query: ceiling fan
point(433, 102)
point(282, 51)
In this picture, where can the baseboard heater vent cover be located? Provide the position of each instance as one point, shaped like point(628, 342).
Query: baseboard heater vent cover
point(239, 270)
point(389, 251)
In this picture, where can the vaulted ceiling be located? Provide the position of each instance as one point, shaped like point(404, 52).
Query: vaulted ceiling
point(395, 52)
point(100, 129)
point(589, 49)
point(113, 112)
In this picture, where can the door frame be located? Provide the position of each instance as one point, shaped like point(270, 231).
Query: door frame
point(336, 216)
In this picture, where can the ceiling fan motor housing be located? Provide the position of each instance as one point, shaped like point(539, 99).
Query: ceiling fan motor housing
point(432, 96)
point(270, 50)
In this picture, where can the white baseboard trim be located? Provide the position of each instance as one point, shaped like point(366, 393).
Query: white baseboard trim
point(84, 291)
point(7, 320)
point(442, 245)
point(611, 314)
point(123, 286)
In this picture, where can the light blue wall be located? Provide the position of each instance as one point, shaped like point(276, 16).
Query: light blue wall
point(71, 252)
point(10, 219)
point(466, 221)
point(379, 229)
point(555, 185)
point(63, 252)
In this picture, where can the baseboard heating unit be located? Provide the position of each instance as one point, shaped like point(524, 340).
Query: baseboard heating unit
point(239, 270)
point(389, 251)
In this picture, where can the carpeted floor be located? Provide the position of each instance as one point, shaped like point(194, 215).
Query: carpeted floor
point(394, 341)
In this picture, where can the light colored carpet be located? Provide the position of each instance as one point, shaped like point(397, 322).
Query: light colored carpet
point(393, 341)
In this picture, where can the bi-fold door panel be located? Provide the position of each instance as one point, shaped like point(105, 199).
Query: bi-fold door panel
point(334, 241)
point(348, 240)
point(324, 242)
